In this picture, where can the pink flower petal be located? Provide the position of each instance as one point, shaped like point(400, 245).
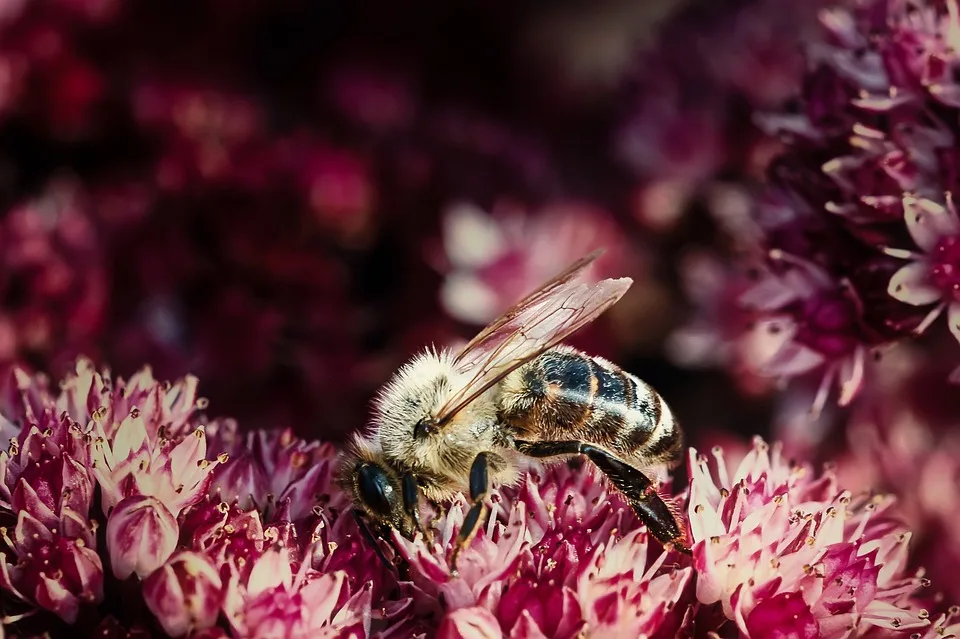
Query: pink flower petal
point(784, 616)
point(470, 623)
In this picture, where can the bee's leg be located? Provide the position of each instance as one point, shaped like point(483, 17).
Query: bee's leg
point(474, 517)
point(640, 492)
point(411, 504)
point(373, 541)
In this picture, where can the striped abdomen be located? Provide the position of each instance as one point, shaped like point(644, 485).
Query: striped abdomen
point(565, 394)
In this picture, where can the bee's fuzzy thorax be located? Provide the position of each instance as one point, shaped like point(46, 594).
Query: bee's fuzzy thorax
point(430, 372)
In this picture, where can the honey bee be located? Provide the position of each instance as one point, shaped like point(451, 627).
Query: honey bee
point(450, 422)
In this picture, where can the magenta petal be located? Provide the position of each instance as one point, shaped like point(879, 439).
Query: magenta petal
point(141, 535)
point(51, 594)
point(784, 616)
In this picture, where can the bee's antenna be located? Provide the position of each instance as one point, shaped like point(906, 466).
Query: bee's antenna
point(365, 530)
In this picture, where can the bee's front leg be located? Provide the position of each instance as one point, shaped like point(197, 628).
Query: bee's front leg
point(479, 484)
point(411, 505)
point(373, 541)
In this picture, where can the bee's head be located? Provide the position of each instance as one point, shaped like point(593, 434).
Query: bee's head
point(373, 485)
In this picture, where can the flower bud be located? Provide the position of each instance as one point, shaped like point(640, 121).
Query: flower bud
point(141, 535)
point(184, 594)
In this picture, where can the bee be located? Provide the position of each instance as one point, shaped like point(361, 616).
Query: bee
point(450, 422)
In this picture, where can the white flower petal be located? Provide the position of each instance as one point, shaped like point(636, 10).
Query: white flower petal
point(910, 285)
point(468, 299)
point(792, 359)
point(953, 319)
point(471, 237)
point(928, 221)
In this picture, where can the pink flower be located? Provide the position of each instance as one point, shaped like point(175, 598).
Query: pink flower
point(275, 471)
point(185, 594)
point(559, 556)
point(470, 623)
point(933, 276)
point(141, 536)
point(811, 324)
point(46, 488)
point(54, 282)
point(148, 464)
point(495, 259)
point(274, 600)
point(715, 335)
point(781, 549)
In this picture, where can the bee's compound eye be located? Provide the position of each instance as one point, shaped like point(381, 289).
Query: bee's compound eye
point(376, 491)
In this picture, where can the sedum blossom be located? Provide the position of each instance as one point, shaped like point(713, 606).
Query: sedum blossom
point(780, 549)
point(270, 548)
point(560, 556)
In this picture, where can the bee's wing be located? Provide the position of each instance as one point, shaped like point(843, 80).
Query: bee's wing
point(498, 329)
point(535, 325)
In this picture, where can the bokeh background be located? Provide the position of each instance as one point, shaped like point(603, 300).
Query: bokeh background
point(288, 198)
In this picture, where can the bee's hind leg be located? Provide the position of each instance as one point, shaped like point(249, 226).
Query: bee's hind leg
point(411, 505)
point(479, 483)
point(640, 492)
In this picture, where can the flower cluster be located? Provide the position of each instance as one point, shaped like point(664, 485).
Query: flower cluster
point(857, 225)
point(109, 498)
point(109, 487)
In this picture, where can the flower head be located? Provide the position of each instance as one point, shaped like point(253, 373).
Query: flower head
point(46, 490)
point(54, 282)
point(559, 556)
point(867, 177)
point(274, 600)
point(779, 548)
point(495, 259)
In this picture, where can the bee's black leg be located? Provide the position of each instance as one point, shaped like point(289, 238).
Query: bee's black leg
point(411, 504)
point(635, 486)
point(474, 517)
point(365, 531)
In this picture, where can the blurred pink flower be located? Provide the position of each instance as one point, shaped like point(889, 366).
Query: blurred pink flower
point(53, 281)
point(812, 324)
point(207, 135)
point(717, 334)
point(933, 276)
point(492, 260)
point(782, 549)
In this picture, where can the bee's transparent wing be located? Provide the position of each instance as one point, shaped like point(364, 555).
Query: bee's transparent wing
point(496, 331)
point(537, 324)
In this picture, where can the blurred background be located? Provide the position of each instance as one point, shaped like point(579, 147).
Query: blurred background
point(289, 198)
